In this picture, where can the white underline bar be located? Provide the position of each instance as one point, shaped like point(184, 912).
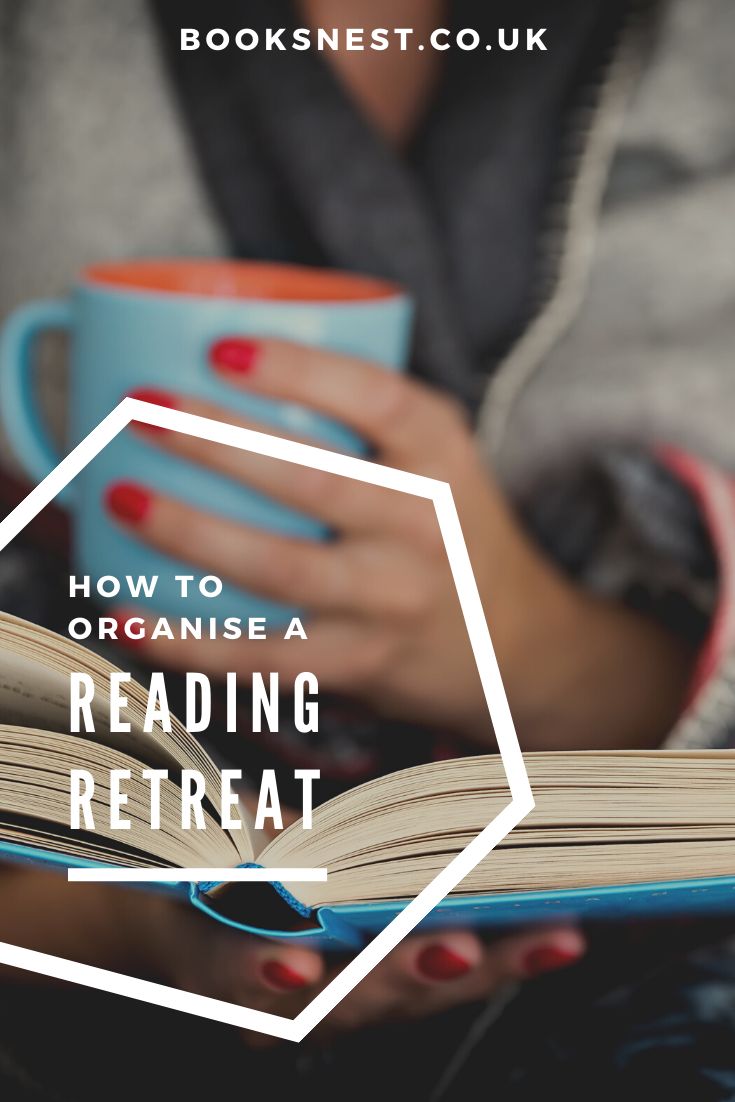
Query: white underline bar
point(197, 876)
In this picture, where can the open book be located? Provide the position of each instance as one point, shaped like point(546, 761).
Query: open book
point(612, 832)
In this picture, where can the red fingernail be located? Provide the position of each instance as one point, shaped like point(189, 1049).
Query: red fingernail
point(124, 640)
point(281, 976)
point(437, 962)
point(128, 502)
point(547, 958)
point(238, 356)
point(156, 398)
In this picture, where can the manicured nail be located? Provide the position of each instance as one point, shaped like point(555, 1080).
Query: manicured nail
point(281, 976)
point(547, 958)
point(234, 355)
point(156, 398)
point(128, 502)
point(124, 640)
point(437, 962)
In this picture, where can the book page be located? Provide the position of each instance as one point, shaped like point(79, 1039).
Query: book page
point(600, 818)
point(35, 669)
point(35, 768)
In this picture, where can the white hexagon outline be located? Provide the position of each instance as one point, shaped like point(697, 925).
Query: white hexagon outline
point(521, 804)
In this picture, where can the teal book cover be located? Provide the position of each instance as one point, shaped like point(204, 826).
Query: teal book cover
point(612, 834)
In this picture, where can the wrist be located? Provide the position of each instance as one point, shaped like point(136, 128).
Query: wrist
point(582, 671)
point(539, 623)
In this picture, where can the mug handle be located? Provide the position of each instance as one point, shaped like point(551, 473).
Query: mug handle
point(29, 439)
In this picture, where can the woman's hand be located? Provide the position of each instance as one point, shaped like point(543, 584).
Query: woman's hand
point(384, 620)
point(149, 935)
point(431, 973)
point(425, 975)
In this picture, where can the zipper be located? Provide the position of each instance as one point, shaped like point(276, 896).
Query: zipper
point(575, 241)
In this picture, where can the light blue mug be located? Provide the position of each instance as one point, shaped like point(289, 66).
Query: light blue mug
point(150, 324)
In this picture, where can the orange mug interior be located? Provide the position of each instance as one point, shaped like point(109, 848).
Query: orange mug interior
point(240, 279)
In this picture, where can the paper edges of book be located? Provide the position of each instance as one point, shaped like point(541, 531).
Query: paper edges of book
point(607, 826)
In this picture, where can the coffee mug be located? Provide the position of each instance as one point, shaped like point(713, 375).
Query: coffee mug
point(151, 324)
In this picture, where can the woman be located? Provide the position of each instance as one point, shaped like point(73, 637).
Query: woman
point(444, 173)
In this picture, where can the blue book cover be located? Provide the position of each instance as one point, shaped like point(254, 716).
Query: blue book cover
point(350, 926)
point(614, 835)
